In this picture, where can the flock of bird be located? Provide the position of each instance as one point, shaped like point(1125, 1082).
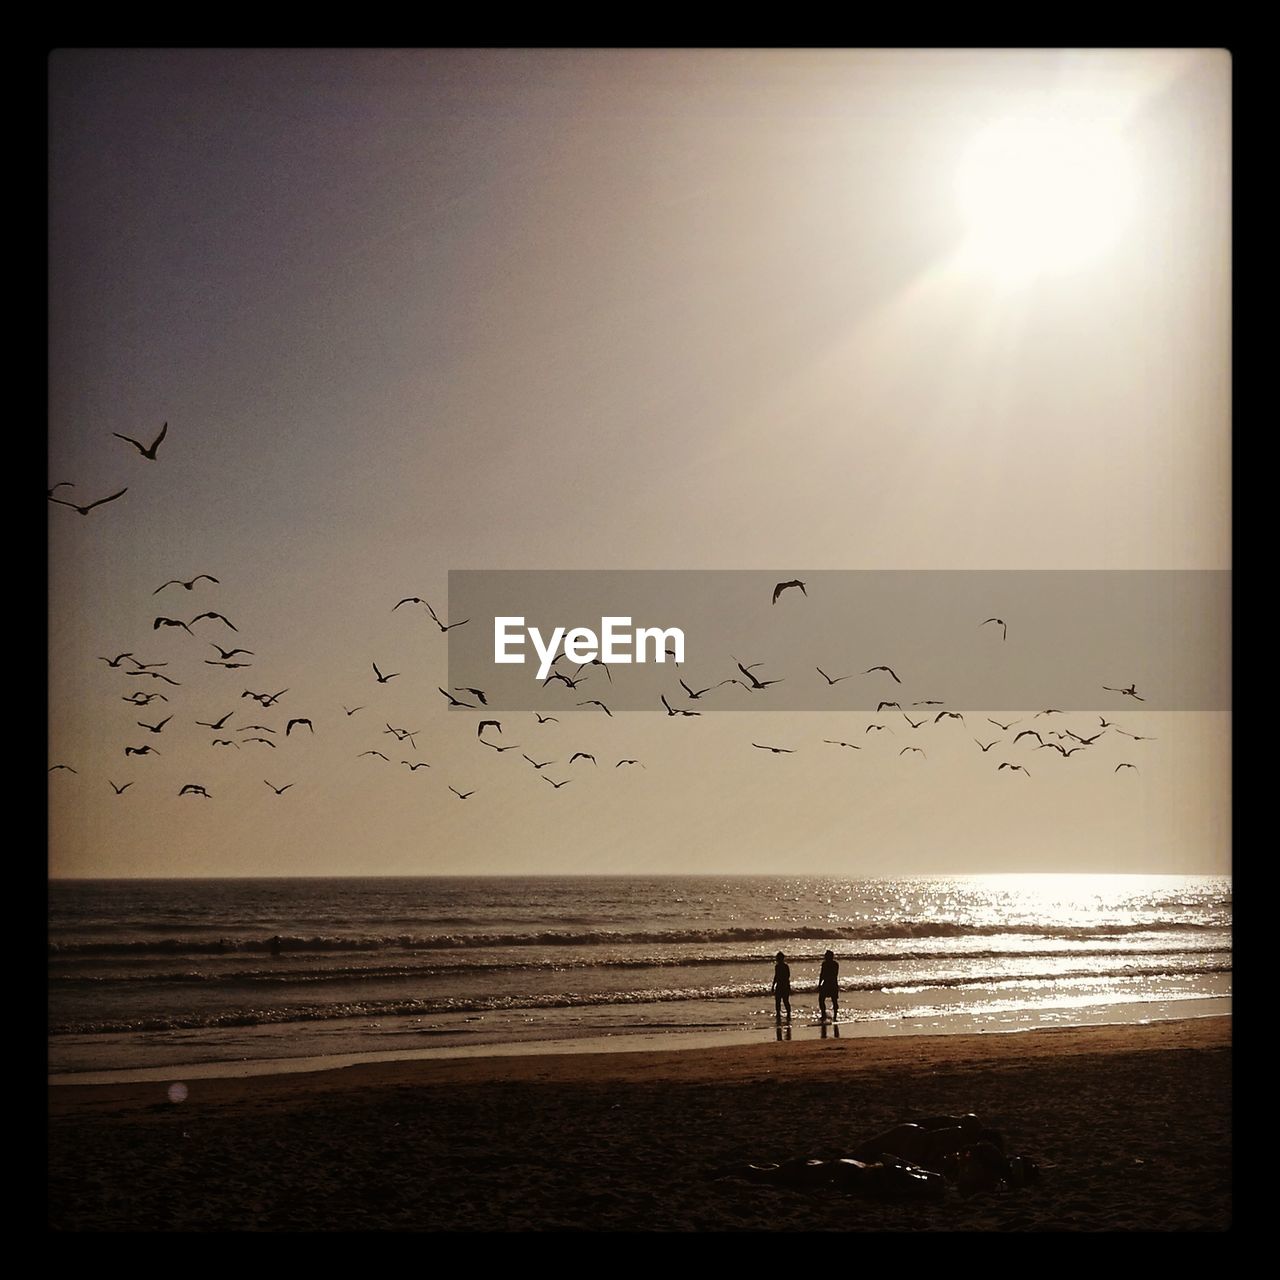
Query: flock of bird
point(934, 718)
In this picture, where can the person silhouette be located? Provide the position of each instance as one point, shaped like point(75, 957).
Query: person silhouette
point(781, 986)
point(829, 985)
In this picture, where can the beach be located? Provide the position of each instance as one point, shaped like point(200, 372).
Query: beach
point(1130, 1124)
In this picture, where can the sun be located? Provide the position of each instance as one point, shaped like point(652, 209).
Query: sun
point(1044, 193)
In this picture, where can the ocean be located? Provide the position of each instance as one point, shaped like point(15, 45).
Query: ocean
point(174, 975)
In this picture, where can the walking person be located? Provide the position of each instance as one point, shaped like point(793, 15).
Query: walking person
point(781, 986)
point(829, 985)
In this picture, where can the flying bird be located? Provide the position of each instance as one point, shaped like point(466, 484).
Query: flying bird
point(119, 790)
point(1123, 765)
point(950, 715)
point(155, 675)
point(831, 679)
point(1004, 630)
point(266, 699)
point(224, 742)
point(1131, 691)
point(145, 666)
point(1052, 711)
point(672, 711)
point(413, 768)
point(928, 702)
point(556, 785)
point(570, 683)
point(300, 720)
point(117, 660)
point(227, 666)
point(906, 749)
point(915, 724)
point(497, 724)
point(478, 694)
point(700, 692)
point(581, 755)
point(155, 728)
point(515, 746)
point(757, 684)
point(622, 762)
point(374, 753)
point(227, 654)
point(278, 790)
point(596, 662)
point(84, 511)
point(875, 726)
point(140, 699)
point(191, 789)
point(443, 627)
point(67, 767)
point(546, 719)
point(782, 586)
point(141, 751)
point(210, 613)
point(890, 670)
point(171, 622)
point(1004, 727)
point(453, 702)
point(536, 765)
point(148, 451)
point(882, 706)
point(595, 702)
point(462, 795)
point(249, 728)
point(777, 751)
point(186, 585)
point(1137, 737)
point(1014, 767)
point(1028, 733)
point(989, 745)
point(1087, 742)
point(352, 710)
point(836, 742)
point(266, 741)
point(62, 484)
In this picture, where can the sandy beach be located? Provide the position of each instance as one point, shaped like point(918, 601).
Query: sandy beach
point(1131, 1125)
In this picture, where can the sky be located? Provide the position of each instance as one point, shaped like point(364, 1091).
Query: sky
point(413, 311)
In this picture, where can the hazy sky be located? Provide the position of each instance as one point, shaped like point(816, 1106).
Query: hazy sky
point(412, 311)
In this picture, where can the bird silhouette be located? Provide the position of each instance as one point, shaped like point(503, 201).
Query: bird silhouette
point(837, 742)
point(882, 706)
point(227, 654)
point(596, 662)
point(1124, 765)
point(171, 622)
point(757, 684)
point(906, 749)
point(622, 762)
point(1087, 742)
point(374, 753)
point(299, 721)
point(156, 675)
point(782, 586)
point(582, 755)
point(700, 692)
point(67, 767)
point(875, 726)
point(84, 511)
point(117, 660)
point(915, 724)
point(890, 670)
point(831, 679)
point(950, 715)
point(454, 702)
point(515, 746)
point(445, 627)
point(595, 702)
point(62, 484)
point(141, 751)
point(224, 742)
point(264, 741)
point(462, 795)
point(478, 694)
point(988, 746)
point(535, 763)
point(155, 728)
point(352, 710)
point(1014, 767)
point(217, 617)
point(413, 768)
point(569, 682)
point(1004, 630)
point(1028, 733)
point(672, 711)
point(119, 790)
point(193, 789)
point(278, 790)
point(249, 728)
point(140, 699)
point(556, 785)
point(177, 582)
point(147, 451)
point(1052, 711)
point(1137, 737)
point(266, 699)
point(1004, 727)
point(1131, 691)
point(777, 751)
point(546, 719)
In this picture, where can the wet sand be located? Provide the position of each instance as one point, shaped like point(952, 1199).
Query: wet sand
point(1131, 1125)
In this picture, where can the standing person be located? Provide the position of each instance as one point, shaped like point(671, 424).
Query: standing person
point(781, 987)
point(829, 985)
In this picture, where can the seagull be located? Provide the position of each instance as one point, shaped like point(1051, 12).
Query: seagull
point(227, 654)
point(906, 749)
point(227, 666)
point(1131, 691)
point(1004, 727)
point(777, 751)
point(300, 720)
point(595, 702)
point(149, 451)
point(1104, 723)
point(581, 755)
point(155, 728)
point(84, 511)
point(480, 728)
point(831, 679)
point(141, 751)
point(756, 684)
point(117, 660)
point(118, 790)
point(155, 675)
point(62, 484)
point(622, 762)
point(453, 702)
point(515, 746)
point(224, 742)
point(556, 675)
point(266, 699)
point(442, 626)
point(915, 724)
point(462, 795)
point(408, 600)
point(836, 742)
point(546, 719)
point(247, 728)
point(352, 710)
point(145, 666)
point(1004, 630)
point(413, 768)
point(1014, 767)
point(475, 693)
point(1052, 711)
point(989, 745)
point(191, 789)
point(882, 706)
point(700, 692)
point(219, 617)
point(950, 715)
point(381, 678)
point(140, 699)
point(556, 785)
point(890, 670)
point(266, 741)
point(672, 711)
point(1029, 733)
point(1137, 737)
point(278, 790)
point(782, 586)
point(596, 662)
point(179, 583)
point(171, 622)
point(875, 726)
point(1123, 765)
point(1087, 742)
point(928, 702)
point(536, 765)
point(374, 753)
point(67, 767)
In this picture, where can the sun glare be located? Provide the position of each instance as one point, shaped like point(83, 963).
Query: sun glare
point(1044, 193)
